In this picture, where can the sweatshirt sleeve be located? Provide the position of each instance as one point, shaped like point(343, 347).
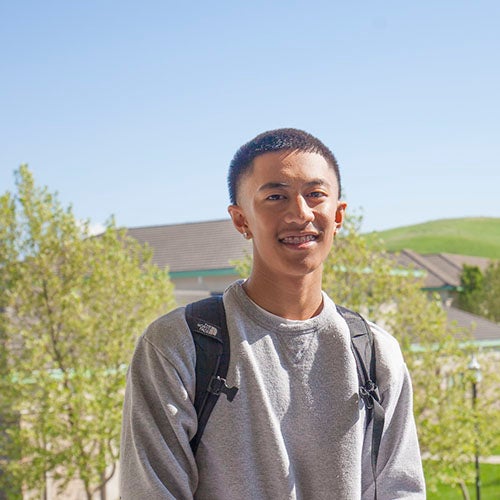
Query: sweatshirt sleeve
point(159, 418)
point(399, 467)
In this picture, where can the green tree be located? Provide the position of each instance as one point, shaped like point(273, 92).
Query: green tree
point(73, 306)
point(480, 293)
point(471, 284)
point(490, 304)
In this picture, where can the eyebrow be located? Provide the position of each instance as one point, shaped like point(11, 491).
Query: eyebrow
point(277, 185)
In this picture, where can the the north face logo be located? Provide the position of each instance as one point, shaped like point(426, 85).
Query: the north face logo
point(207, 329)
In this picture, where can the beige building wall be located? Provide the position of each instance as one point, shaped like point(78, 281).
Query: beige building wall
point(189, 289)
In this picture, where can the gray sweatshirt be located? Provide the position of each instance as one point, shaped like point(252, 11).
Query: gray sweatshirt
point(296, 428)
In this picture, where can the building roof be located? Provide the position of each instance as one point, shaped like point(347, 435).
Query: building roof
point(194, 246)
point(483, 330)
point(442, 270)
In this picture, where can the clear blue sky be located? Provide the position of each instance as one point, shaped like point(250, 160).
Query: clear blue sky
point(136, 108)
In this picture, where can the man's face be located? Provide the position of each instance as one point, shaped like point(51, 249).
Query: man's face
point(288, 204)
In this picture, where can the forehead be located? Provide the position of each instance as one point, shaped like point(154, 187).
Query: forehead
point(289, 165)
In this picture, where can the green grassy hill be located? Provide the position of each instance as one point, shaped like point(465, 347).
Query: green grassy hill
point(477, 236)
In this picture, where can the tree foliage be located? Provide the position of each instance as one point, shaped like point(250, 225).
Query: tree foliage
point(73, 305)
point(491, 295)
point(471, 283)
point(480, 292)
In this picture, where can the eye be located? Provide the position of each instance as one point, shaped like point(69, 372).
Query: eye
point(275, 197)
point(317, 194)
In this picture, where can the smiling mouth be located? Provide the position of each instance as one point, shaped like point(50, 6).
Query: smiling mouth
point(298, 240)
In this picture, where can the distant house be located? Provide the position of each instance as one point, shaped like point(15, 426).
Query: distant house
point(199, 256)
point(442, 270)
point(442, 276)
point(486, 333)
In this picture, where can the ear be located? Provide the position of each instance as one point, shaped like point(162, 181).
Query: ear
point(340, 214)
point(238, 218)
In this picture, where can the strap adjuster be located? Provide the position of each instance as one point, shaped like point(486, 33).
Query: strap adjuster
point(218, 385)
point(369, 394)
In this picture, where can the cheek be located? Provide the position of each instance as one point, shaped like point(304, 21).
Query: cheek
point(327, 218)
point(264, 219)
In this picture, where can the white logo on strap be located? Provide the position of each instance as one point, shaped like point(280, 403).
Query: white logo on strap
point(207, 329)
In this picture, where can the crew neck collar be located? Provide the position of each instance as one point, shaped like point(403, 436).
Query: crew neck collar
point(273, 322)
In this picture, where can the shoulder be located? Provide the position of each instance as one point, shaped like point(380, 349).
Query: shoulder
point(168, 335)
point(386, 345)
point(391, 367)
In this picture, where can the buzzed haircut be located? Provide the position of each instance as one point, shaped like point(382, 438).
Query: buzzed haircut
point(269, 142)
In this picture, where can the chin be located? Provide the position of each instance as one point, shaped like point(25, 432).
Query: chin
point(303, 268)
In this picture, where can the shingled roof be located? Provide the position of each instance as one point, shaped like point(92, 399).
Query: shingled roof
point(442, 270)
point(194, 246)
point(484, 331)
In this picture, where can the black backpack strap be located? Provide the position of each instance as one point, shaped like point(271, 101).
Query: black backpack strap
point(207, 321)
point(363, 348)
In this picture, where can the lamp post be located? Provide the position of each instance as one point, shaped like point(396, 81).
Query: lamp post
point(475, 367)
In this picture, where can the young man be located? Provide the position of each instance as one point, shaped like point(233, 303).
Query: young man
point(296, 428)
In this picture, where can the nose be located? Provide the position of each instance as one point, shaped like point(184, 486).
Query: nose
point(299, 211)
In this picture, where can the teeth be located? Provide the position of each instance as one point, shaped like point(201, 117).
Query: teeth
point(297, 240)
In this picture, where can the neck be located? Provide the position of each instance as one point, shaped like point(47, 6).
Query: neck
point(290, 297)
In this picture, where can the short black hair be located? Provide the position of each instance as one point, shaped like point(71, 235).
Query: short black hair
point(272, 141)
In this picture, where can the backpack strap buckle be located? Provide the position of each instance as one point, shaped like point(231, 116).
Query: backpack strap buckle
point(218, 385)
point(369, 394)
